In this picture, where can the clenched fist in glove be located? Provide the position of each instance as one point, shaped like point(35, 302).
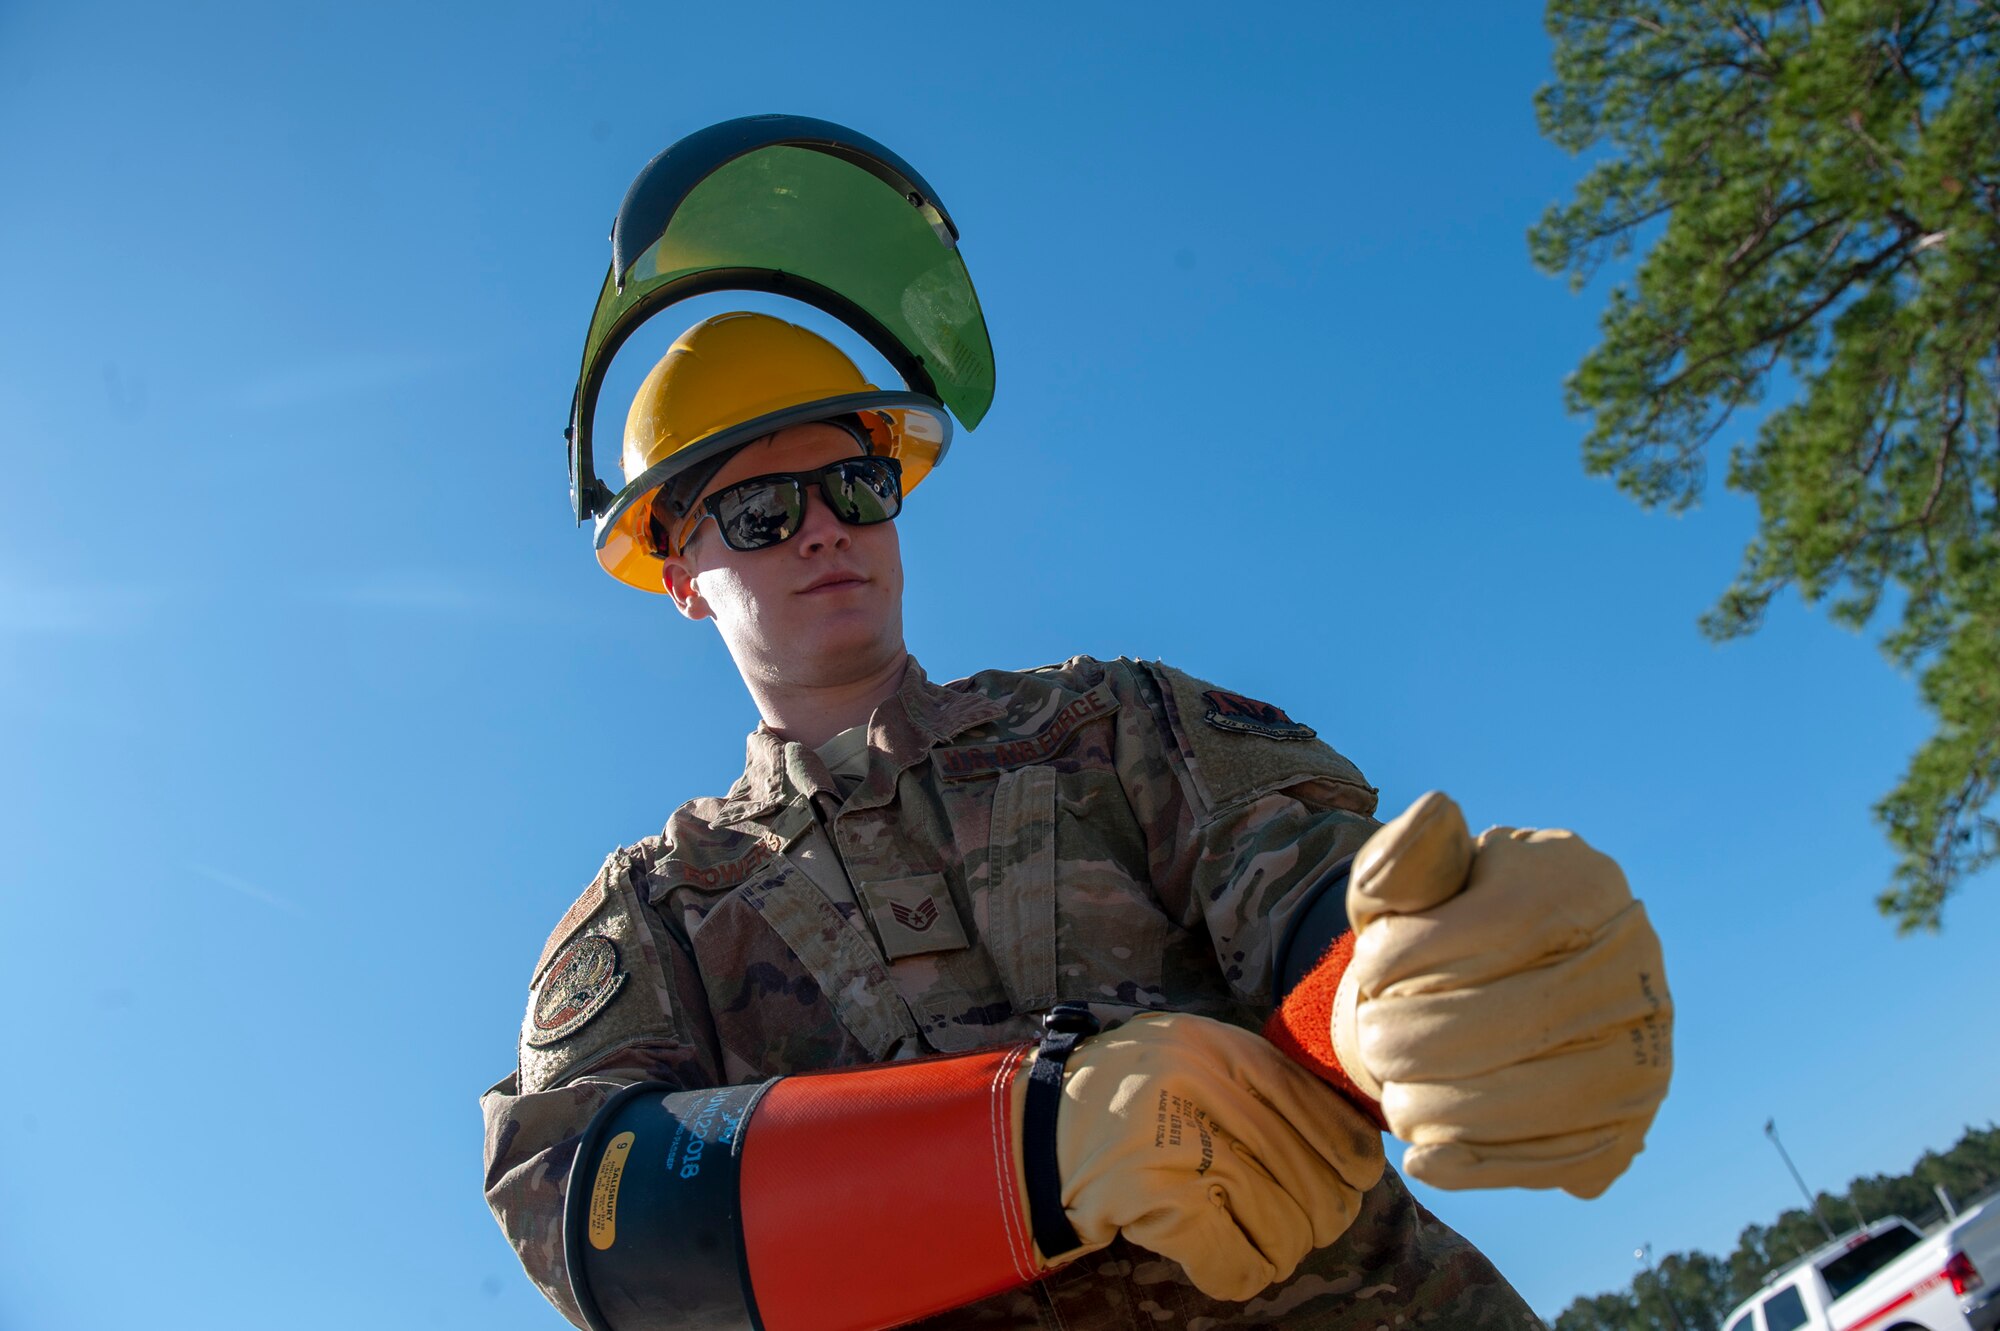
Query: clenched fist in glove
point(1204, 1144)
point(1506, 1003)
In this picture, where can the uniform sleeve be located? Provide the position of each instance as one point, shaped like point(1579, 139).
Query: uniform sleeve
point(614, 1000)
point(1245, 810)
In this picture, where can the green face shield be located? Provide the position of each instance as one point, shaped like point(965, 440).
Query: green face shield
point(803, 208)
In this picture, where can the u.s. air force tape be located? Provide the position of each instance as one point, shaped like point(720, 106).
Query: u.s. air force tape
point(653, 1224)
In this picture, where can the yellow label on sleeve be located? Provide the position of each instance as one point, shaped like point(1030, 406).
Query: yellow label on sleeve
point(604, 1192)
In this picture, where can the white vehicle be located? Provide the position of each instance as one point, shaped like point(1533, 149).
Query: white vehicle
point(1888, 1277)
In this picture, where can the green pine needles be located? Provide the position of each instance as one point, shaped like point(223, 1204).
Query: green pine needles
point(1817, 190)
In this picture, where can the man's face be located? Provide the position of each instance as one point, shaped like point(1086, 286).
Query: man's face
point(823, 608)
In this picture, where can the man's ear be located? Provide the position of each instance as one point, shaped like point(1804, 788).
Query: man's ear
point(677, 576)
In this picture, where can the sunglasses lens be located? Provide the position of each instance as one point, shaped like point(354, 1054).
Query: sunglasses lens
point(759, 513)
point(769, 510)
point(864, 491)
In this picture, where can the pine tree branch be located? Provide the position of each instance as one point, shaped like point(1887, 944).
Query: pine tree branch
point(1770, 224)
point(1855, 272)
point(1953, 424)
point(1890, 410)
point(1746, 27)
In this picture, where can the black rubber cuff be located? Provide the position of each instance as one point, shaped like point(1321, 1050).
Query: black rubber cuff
point(1063, 1028)
point(1319, 918)
point(653, 1223)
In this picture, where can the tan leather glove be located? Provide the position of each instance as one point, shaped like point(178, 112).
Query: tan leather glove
point(1506, 1000)
point(1201, 1142)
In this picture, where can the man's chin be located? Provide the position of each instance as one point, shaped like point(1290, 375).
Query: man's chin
point(832, 654)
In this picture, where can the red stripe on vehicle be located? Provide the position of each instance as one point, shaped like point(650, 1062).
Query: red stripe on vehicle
point(1923, 1286)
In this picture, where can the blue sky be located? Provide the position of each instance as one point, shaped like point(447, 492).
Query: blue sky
point(319, 712)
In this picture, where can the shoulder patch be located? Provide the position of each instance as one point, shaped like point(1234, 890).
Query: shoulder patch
point(601, 982)
point(1236, 748)
point(1247, 716)
point(577, 987)
point(580, 910)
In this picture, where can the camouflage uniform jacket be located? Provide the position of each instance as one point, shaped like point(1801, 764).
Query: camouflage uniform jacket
point(1114, 833)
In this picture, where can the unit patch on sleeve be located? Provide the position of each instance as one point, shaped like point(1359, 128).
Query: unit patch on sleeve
point(1247, 716)
point(1241, 749)
point(579, 983)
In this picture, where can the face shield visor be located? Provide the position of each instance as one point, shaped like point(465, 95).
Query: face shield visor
point(801, 208)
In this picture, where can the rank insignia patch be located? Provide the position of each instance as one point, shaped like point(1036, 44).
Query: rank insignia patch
point(917, 920)
point(1247, 716)
point(913, 916)
point(580, 984)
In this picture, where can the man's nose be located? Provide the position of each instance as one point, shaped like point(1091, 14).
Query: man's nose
point(819, 529)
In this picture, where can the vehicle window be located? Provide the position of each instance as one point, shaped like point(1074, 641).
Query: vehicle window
point(1785, 1310)
point(1744, 1321)
point(1858, 1263)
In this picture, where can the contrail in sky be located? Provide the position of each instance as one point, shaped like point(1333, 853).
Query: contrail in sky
point(248, 889)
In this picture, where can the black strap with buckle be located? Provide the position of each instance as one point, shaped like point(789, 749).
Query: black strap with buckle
point(1065, 1026)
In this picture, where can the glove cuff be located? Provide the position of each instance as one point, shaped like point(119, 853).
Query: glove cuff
point(1303, 1029)
point(1062, 1029)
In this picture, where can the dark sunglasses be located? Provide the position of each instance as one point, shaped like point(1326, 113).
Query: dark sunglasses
point(769, 510)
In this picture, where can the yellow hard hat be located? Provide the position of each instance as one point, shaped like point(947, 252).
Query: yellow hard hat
point(735, 378)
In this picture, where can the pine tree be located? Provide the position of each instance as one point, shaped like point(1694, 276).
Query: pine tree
point(1816, 186)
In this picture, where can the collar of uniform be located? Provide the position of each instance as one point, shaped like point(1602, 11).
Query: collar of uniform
point(932, 713)
point(921, 715)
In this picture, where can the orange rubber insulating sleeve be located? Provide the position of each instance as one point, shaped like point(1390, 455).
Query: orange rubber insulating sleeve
point(876, 1196)
point(1302, 1027)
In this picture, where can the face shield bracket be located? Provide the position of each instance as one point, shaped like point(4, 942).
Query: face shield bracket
point(590, 496)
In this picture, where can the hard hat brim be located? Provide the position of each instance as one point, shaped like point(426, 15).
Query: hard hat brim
point(921, 430)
